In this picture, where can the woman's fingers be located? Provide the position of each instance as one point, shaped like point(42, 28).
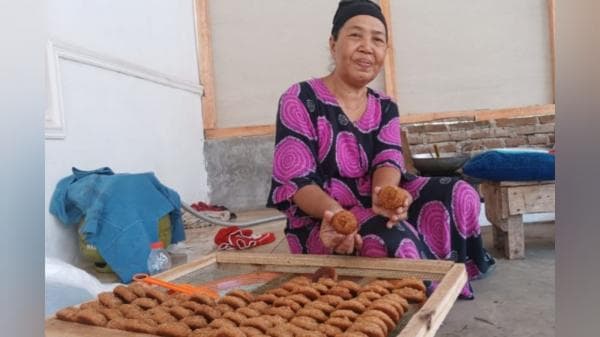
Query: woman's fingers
point(358, 241)
point(327, 216)
point(346, 246)
point(390, 224)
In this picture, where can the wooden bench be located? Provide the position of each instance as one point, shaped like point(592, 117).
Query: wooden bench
point(505, 204)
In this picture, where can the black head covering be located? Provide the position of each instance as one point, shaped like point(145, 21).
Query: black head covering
point(350, 8)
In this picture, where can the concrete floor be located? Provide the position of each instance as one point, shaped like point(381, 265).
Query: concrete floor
point(517, 299)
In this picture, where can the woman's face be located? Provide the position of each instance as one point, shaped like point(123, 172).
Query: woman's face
point(359, 50)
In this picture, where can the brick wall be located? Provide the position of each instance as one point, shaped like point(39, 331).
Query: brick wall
point(466, 135)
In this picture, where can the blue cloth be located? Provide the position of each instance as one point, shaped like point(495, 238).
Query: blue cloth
point(511, 165)
point(121, 213)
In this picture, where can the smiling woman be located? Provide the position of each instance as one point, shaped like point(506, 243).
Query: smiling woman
point(338, 144)
point(358, 49)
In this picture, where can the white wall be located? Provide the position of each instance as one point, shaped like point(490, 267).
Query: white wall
point(130, 98)
point(260, 48)
point(450, 55)
point(471, 54)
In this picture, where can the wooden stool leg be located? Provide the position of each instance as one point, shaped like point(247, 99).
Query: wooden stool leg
point(499, 237)
point(514, 247)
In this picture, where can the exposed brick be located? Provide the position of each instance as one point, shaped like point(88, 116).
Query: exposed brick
point(482, 124)
point(478, 133)
point(415, 128)
point(502, 132)
point(437, 137)
point(493, 143)
point(469, 125)
point(423, 148)
point(515, 141)
point(525, 130)
point(544, 128)
point(436, 127)
point(460, 126)
point(458, 135)
point(546, 147)
point(537, 139)
point(516, 121)
point(471, 145)
point(447, 147)
point(551, 139)
point(458, 119)
point(546, 119)
point(415, 139)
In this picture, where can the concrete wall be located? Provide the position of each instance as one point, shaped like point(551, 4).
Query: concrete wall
point(124, 91)
point(240, 171)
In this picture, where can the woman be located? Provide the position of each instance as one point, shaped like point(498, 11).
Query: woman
point(338, 143)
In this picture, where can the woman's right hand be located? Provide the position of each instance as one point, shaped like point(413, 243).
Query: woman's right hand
point(340, 243)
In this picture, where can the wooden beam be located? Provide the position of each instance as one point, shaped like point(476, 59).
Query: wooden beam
point(433, 269)
point(428, 319)
point(389, 64)
point(480, 115)
point(205, 64)
point(242, 131)
point(187, 268)
point(552, 36)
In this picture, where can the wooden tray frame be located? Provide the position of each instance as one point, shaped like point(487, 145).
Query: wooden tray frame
point(425, 322)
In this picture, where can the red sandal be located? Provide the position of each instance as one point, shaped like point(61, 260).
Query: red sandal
point(230, 238)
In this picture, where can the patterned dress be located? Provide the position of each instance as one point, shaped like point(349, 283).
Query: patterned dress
point(316, 143)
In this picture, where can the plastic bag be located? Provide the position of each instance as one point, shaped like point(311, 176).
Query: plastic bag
point(67, 285)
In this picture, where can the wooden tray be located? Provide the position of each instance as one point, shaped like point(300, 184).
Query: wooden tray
point(423, 321)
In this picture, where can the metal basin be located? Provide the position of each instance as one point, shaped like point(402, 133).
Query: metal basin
point(447, 164)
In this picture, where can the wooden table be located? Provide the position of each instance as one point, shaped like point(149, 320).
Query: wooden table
point(505, 204)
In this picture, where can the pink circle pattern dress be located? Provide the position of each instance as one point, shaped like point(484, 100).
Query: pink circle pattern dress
point(316, 143)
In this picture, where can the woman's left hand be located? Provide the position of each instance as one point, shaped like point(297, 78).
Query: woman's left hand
point(339, 243)
point(394, 216)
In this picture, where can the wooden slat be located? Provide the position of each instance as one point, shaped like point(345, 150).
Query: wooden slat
point(187, 268)
point(503, 205)
point(523, 183)
point(491, 196)
point(371, 273)
point(57, 328)
point(514, 245)
point(389, 63)
point(428, 319)
point(243, 131)
point(552, 37)
point(531, 199)
point(433, 267)
point(205, 64)
point(481, 114)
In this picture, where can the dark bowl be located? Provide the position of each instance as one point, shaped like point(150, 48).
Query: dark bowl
point(446, 164)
